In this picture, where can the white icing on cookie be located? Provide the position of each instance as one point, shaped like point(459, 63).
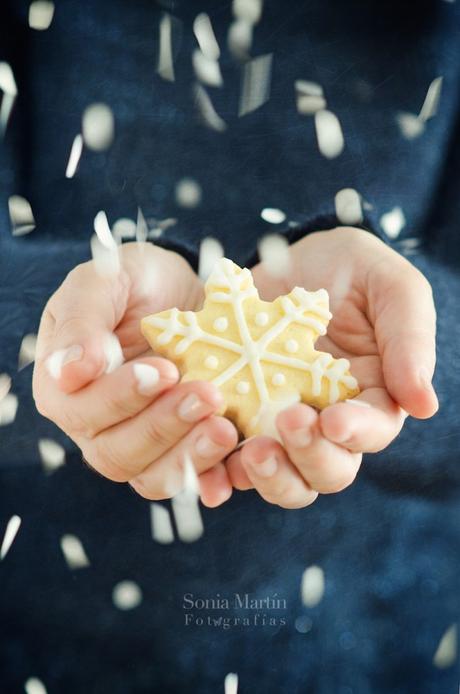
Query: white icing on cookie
point(261, 319)
point(278, 379)
point(211, 362)
point(291, 346)
point(220, 324)
point(243, 387)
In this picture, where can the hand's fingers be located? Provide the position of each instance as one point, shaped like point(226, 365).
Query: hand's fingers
point(108, 400)
point(123, 451)
point(207, 444)
point(236, 472)
point(215, 486)
point(75, 342)
point(403, 314)
point(326, 467)
point(366, 424)
point(273, 475)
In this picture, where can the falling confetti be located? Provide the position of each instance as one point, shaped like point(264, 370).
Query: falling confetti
point(98, 127)
point(393, 222)
point(274, 254)
point(211, 250)
point(8, 409)
point(10, 91)
point(165, 56)
point(205, 36)
point(207, 69)
point(188, 193)
point(27, 351)
point(348, 206)
point(312, 587)
point(102, 229)
point(106, 258)
point(310, 97)
point(248, 10)
point(272, 215)
point(185, 506)
point(74, 158)
point(126, 595)
point(41, 13)
point(113, 352)
point(21, 215)
point(430, 105)
point(239, 39)
point(142, 229)
point(411, 126)
point(73, 552)
point(124, 228)
point(446, 652)
point(231, 683)
point(52, 454)
point(329, 134)
point(206, 110)
point(11, 531)
point(5, 385)
point(160, 519)
point(34, 686)
point(256, 84)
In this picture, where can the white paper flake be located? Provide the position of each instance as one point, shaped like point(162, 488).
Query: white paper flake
point(255, 89)
point(348, 206)
point(73, 552)
point(446, 652)
point(10, 91)
point(312, 586)
point(207, 69)
point(165, 55)
point(98, 127)
point(272, 215)
point(185, 505)
point(41, 13)
point(27, 350)
point(205, 36)
point(126, 595)
point(211, 250)
point(34, 686)
point(431, 103)
point(5, 385)
point(74, 157)
point(52, 454)
point(206, 110)
point(274, 254)
point(393, 222)
point(248, 10)
point(161, 525)
point(231, 683)
point(11, 531)
point(188, 193)
point(21, 215)
point(8, 409)
point(329, 134)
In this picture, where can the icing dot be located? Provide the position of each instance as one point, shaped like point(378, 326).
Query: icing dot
point(291, 346)
point(211, 362)
point(278, 379)
point(220, 324)
point(261, 318)
point(242, 387)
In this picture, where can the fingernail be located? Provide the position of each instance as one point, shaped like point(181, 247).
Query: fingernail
point(207, 448)
point(61, 357)
point(298, 438)
point(266, 468)
point(147, 378)
point(192, 408)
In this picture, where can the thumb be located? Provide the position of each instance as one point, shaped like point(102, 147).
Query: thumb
point(79, 321)
point(404, 317)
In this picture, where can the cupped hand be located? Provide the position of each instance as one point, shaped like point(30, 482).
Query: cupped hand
point(384, 322)
point(125, 409)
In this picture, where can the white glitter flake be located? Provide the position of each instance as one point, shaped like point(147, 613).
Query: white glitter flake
point(21, 215)
point(393, 222)
point(348, 206)
point(211, 251)
point(98, 127)
point(52, 454)
point(431, 103)
point(5, 385)
point(329, 134)
point(206, 110)
point(161, 525)
point(11, 531)
point(188, 193)
point(272, 215)
point(126, 595)
point(10, 91)
point(231, 683)
point(255, 89)
point(74, 552)
point(8, 409)
point(41, 13)
point(446, 652)
point(207, 70)
point(74, 158)
point(27, 351)
point(274, 254)
point(205, 36)
point(34, 686)
point(312, 586)
point(185, 506)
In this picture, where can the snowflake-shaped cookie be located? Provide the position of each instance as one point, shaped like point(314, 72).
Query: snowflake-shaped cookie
point(261, 355)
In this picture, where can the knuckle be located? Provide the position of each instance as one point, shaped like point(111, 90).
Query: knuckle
point(102, 457)
point(156, 430)
point(122, 408)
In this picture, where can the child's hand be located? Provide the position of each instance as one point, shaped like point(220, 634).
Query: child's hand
point(384, 322)
point(132, 424)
